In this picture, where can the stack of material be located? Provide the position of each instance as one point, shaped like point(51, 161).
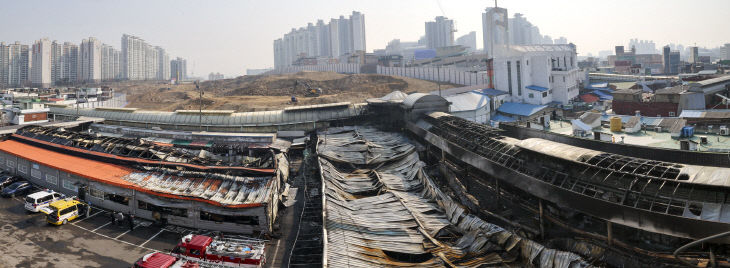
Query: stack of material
point(382, 209)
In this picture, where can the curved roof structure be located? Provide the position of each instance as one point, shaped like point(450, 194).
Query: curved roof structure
point(265, 118)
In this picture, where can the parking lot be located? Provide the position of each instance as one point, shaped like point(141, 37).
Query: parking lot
point(27, 240)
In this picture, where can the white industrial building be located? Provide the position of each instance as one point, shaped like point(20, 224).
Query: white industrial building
point(471, 106)
point(537, 74)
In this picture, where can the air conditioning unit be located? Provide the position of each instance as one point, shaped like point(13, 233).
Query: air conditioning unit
point(724, 131)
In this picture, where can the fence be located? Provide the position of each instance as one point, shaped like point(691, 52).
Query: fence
point(119, 100)
point(337, 68)
point(446, 75)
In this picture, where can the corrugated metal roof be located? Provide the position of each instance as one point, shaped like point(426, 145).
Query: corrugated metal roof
point(601, 95)
point(219, 190)
point(491, 92)
point(468, 101)
point(710, 113)
point(522, 109)
point(537, 88)
point(503, 118)
point(265, 118)
point(708, 82)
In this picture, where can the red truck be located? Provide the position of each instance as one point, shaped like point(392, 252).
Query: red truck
point(206, 251)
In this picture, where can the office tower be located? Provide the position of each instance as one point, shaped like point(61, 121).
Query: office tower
point(4, 65)
point(694, 55)
point(521, 31)
point(41, 64)
point(69, 63)
point(357, 24)
point(725, 52)
point(110, 63)
point(163, 64)
point(468, 40)
point(561, 41)
point(133, 57)
point(56, 64)
point(90, 60)
point(440, 32)
point(340, 36)
point(178, 69)
point(495, 29)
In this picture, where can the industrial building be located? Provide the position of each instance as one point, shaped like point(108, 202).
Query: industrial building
point(205, 186)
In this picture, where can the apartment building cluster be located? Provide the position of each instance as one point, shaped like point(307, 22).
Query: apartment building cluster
point(48, 63)
point(322, 41)
point(142, 61)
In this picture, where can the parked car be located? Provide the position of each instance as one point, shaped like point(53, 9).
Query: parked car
point(35, 201)
point(6, 180)
point(16, 189)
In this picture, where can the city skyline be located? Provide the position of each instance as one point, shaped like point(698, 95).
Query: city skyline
point(230, 37)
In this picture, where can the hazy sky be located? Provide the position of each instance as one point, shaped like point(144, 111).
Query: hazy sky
point(230, 36)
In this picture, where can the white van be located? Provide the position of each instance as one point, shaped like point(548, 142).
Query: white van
point(35, 201)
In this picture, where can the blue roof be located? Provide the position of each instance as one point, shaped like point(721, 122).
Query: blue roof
point(602, 95)
point(503, 118)
point(522, 109)
point(537, 88)
point(599, 86)
point(490, 92)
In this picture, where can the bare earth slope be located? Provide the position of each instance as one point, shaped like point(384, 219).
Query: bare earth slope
point(259, 93)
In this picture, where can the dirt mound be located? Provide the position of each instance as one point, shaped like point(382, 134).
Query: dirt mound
point(259, 93)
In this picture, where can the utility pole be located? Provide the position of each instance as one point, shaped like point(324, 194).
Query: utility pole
point(197, 86)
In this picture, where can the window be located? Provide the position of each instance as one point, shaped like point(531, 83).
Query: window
point(544, 94)
point(70, 185)
point(178, 212)
point(96, 193)
point(563, 79)
point(35, 173)
point(247, 220)
point(671, 114)
point(10, 163)
point(531, 95)
point(67, 210)
point(565, 62)
point(551, 91)
point(509, 77)
point(519, 78)
point(51, 179)
point(120, 199)
point(23, 169)
point(527, 62)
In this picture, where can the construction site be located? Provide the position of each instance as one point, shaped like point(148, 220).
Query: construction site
point(395, 181)
point(262, 93)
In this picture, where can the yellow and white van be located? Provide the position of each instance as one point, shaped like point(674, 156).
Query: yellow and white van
point(64, 210)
